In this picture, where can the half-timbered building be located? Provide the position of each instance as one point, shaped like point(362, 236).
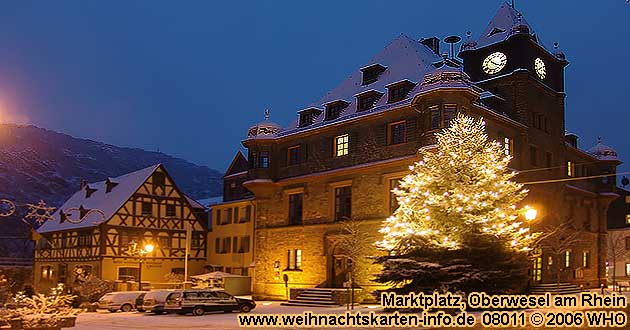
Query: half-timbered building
point(94, 231)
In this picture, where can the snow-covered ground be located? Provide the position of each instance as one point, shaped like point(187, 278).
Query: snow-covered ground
point(104, 320)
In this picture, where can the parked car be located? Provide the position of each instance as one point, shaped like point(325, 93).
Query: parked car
point(139, 305)
point(154, 301)
point(123, 300)
point(198, 302)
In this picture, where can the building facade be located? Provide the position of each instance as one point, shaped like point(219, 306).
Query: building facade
point(94, 231)
point(344, 154)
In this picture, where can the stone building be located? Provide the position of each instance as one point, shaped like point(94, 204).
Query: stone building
point(94, 232)
point(344, 153)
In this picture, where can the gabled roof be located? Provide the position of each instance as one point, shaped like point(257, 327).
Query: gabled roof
point(501, 27)
point(238, 164)
point(404, 58)
point(108, 203)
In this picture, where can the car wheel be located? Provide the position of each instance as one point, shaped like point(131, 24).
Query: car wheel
point(198, 311)
point(126, 308)
point(245, 308)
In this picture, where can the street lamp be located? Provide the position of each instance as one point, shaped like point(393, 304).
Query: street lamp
point(140, 253)
point(530, 213)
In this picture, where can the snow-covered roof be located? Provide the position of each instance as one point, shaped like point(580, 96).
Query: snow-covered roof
point(404, 58)
point(107, 202)
point(505, 23)
point(603, 152)
point(194, 203)
point(211, 201)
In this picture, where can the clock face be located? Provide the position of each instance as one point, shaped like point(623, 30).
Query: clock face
point(494, 63)
point(539, 68)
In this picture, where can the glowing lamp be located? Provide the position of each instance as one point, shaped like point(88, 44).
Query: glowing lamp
point(148, 248)
point(530, 214)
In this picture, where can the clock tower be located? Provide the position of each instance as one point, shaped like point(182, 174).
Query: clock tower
point(524, 79)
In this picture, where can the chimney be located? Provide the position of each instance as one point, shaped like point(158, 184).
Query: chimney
point(433, 43)
point(83, 184)
point(571, 139)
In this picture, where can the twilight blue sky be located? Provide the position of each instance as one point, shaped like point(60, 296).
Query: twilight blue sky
point(189, 77)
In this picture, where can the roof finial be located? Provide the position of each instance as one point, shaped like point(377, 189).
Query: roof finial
point(555, 45)
point(266, 114)
point(468, 34)
point(599, 139)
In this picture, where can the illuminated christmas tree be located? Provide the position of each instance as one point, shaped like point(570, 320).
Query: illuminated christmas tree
point(458, 226)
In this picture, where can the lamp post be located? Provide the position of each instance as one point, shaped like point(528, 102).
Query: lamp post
point(140, 253)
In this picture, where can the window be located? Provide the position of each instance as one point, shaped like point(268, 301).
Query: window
point(627, 269)
point(47, 273)
point(397, 132)
point(247, 217)
point(196, 240)
point(367, 100)
point(227, 217)
point(586, 256)
point(307, 117)
point(550, 260)
point(627, 198)
point(508, 146)
point(342, 143)
point(435, 117)
point(124, 238)
point(548, 160)
point(170, 210)
point(343, 203)
point(294, 259)
point(293, 155)
point(371, 73)
point(334, 109)
point(227, 245)
point(127, 273)
point(164, 242)
point(244, 248)
point(295, 209)
point(393, 201)
point(570, 168)
point(627, 218)
point(263, 159)
point(159, 179)
point(449, 113)
point(147, 209)
point(532, 156)
point(84, 239)
point(219, 220)
point(217, 245)
point(567, 258)
point(253, 159)
point(399, 91)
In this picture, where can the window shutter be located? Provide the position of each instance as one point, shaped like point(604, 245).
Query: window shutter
point(411, 130)
point(218, 222)
point(353, 140)
point(235, 244)
point(381, 135)
point(217, 245)
point(327, 147)
point(284, 156)
point(228, 244)
point(236, 218)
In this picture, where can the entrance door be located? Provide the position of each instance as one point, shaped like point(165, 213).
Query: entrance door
point(339, 271)
point(537, 270)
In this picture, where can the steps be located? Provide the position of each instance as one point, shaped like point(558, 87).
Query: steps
point(554, 288)
point(314, 297)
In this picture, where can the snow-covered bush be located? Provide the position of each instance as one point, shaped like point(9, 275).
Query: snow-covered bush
point(41, 310)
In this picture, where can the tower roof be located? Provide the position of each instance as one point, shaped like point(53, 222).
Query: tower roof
point(505, 23)
point(603, 152)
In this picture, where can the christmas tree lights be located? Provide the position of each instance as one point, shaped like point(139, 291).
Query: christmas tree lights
point(462, 186)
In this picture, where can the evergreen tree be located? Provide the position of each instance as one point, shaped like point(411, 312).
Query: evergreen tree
point(458, 227)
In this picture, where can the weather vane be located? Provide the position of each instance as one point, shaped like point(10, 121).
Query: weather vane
point(266, 114)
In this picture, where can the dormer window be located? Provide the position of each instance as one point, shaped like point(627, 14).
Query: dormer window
point(307, 116)
point(366, 101)
point(89, 191)
point(109, 185)
point(335, 108)
point(371, 73)
point(398, 91)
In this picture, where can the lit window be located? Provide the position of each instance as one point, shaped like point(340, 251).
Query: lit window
point(549, 260)
point(567, 258)
point(570, 168)
point(627, 269)
point(508, 146)
point(628, 199)
point(586, 259)
point(342, 143)
point(294, 261)
point(628, 218)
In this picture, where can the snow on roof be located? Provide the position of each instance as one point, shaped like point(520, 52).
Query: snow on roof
point(404, 58)
point(211, 201)
point(106, 202)
point(194, 203)
point(501, 27)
